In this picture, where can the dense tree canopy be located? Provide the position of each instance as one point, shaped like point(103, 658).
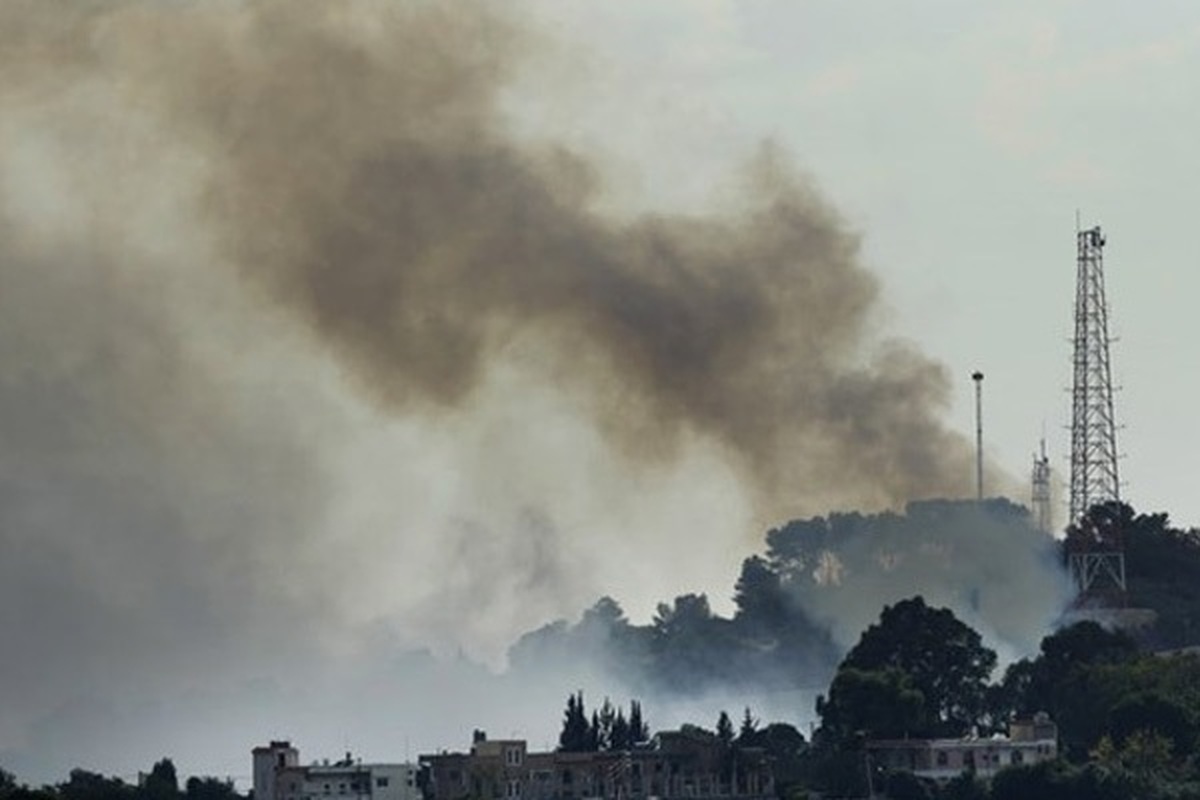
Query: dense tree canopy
point(873, 704)
point(939, 656)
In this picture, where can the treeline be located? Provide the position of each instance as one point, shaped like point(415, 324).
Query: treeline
point(1128, 721)
point(608, 729)
point(769, 642)
point(161, 783)
point(986, 558)
point(1162, 564)
point(786, 597)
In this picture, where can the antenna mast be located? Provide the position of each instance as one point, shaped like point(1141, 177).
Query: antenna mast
point(1095, 555)
point(1093, 426)
point(1040, 492)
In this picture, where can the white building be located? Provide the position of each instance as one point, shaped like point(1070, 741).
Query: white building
point(1028, 742)
point(278, 775)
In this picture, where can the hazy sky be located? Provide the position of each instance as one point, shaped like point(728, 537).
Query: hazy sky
point(958, 139)
point(260, 440)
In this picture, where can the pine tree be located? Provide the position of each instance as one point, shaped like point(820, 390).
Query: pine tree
point(638, 730)
point(162, 783)
point(725, 730)
point(576, 734)
point(749, 728)
point(593, 738)
point(620, 732)
point(604, 727)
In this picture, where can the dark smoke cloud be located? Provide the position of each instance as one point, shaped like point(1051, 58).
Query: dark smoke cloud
point(299, 340)
point(358, 173)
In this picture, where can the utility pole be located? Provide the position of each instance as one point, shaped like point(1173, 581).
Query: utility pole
point(978, 378)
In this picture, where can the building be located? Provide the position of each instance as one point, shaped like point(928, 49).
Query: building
point(279, 775)
point(1028, 742)
point(675, 764)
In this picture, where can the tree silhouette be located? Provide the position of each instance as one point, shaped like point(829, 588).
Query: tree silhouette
point(944, 659)
point(576, 732)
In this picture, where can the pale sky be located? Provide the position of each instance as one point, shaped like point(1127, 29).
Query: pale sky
point(959, 139)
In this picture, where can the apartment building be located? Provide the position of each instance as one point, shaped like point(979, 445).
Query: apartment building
point(279, 775)
point(1029, 741)
point(674, 764)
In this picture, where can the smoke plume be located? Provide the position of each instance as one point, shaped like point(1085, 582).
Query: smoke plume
point(350, 161)
point(300, 341)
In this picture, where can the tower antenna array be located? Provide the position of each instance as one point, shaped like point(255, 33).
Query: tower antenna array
point(1040, 491)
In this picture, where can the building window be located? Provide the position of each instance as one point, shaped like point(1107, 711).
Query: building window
point(512, 756)
point(941, 758)
point(381, 783)
point(514, 789)
point(1017, 757)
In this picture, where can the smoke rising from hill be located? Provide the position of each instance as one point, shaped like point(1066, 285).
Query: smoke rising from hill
point(350, 161)
point(301, 344)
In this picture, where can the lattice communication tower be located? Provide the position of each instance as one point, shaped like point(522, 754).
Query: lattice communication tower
point(1093, 426)
point(1097, 559)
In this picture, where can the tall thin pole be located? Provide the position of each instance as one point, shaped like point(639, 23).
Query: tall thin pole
point(978, 378)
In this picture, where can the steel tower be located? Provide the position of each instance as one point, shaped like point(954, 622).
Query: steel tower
point(1093, 426)
point(1096, 553)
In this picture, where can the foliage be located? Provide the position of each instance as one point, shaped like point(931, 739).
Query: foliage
point(608, 729)
point(1058, 780)
point(1163, 564)
point(878, 704)
point(207, 788)
point(576, 732)
point(923, 655)
point(964, 787)
point(725, 730)
point(905, 786)
point(161, 782)
point(918, 672)
point(1149, 712)
point(1062, 682)
point(748, 728)
point(639, 731)
point(85, 785)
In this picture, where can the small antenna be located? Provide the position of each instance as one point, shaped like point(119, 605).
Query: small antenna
point(1040, 488)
